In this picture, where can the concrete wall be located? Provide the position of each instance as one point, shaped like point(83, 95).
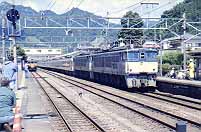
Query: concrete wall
point(180, 89)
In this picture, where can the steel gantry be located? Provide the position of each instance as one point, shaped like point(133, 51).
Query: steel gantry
point(92, 23)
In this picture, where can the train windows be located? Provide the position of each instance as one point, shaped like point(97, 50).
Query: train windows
point(39, 50)
point(133, 56)
point(108, 60)
point(98, 61)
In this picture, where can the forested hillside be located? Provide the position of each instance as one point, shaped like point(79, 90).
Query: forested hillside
point(192, 8)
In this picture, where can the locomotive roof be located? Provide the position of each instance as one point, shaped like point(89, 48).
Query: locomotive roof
point(118, 51)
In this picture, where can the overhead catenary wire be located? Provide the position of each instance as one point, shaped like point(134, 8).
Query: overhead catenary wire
point(49, 4)
point(69, 5)
point(128, 7)
point(50, 7)
point(160, 7)
point(80, 3)
point(169, 2)
point(121, 10)
point(76, 7)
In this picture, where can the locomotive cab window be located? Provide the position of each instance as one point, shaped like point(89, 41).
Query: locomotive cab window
point(133, 56)
point(142, 55)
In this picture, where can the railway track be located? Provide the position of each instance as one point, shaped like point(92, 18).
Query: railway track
point(179, 98)
point(165, 118)
point(188, 104)
point(73, 117)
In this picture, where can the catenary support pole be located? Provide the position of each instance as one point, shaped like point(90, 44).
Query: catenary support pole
point(3, 37)
point(183, 41)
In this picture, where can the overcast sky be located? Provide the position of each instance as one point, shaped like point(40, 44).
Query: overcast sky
point(116, 8)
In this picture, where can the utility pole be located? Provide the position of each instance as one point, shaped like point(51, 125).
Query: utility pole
point(161, 56)
point(13, 37)
point(106, 31)
point(3, 37)
point(13, 15)
point(183, 41)
point(147, 4)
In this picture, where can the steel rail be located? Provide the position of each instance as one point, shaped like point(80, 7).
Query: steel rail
point(139, 112)
point(171, 101)
point(55, 106)
point(125, 98)
point(99, 128)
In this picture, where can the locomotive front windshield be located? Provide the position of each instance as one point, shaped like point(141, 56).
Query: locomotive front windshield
point(133, 56)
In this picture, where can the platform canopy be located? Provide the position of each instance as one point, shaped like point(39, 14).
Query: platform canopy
point(195, 53)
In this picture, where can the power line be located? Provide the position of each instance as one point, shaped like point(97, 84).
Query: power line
point(52, 5)
point(68, 7)
point(49, 4)
point(76, 6)
point(157, 8)
point(80, 3)
point(168, 3)
point(120, 10)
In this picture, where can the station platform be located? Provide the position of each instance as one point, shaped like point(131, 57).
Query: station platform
point(189, 88)
point(194, 83)
point(32, 108)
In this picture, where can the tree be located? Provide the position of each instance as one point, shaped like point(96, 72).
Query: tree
point(173, 58)
point(20, 52)
point(192, 8)
point(131, 19)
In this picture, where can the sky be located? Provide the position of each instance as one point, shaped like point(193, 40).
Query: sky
point(112, 8)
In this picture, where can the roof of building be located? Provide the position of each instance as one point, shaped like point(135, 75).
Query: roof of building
point(195, 53)
point(182, 37)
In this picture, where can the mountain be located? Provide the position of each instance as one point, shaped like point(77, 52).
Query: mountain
point(61, 18)
point(5, 6)
point(192, 8)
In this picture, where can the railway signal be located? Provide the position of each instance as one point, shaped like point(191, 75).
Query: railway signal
point(13, 15)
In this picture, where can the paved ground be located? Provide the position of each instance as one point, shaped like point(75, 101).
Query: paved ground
point(33, 108)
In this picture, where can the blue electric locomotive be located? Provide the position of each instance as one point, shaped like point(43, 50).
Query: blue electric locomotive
point(133, 68)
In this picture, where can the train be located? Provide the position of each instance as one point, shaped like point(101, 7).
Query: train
point(128, 68)
point(32, 65)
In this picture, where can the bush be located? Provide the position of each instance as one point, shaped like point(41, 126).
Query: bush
point(166, 68)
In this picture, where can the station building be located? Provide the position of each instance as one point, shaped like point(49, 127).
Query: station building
point(193, 48)
point(42, 53)
point(175, 43)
